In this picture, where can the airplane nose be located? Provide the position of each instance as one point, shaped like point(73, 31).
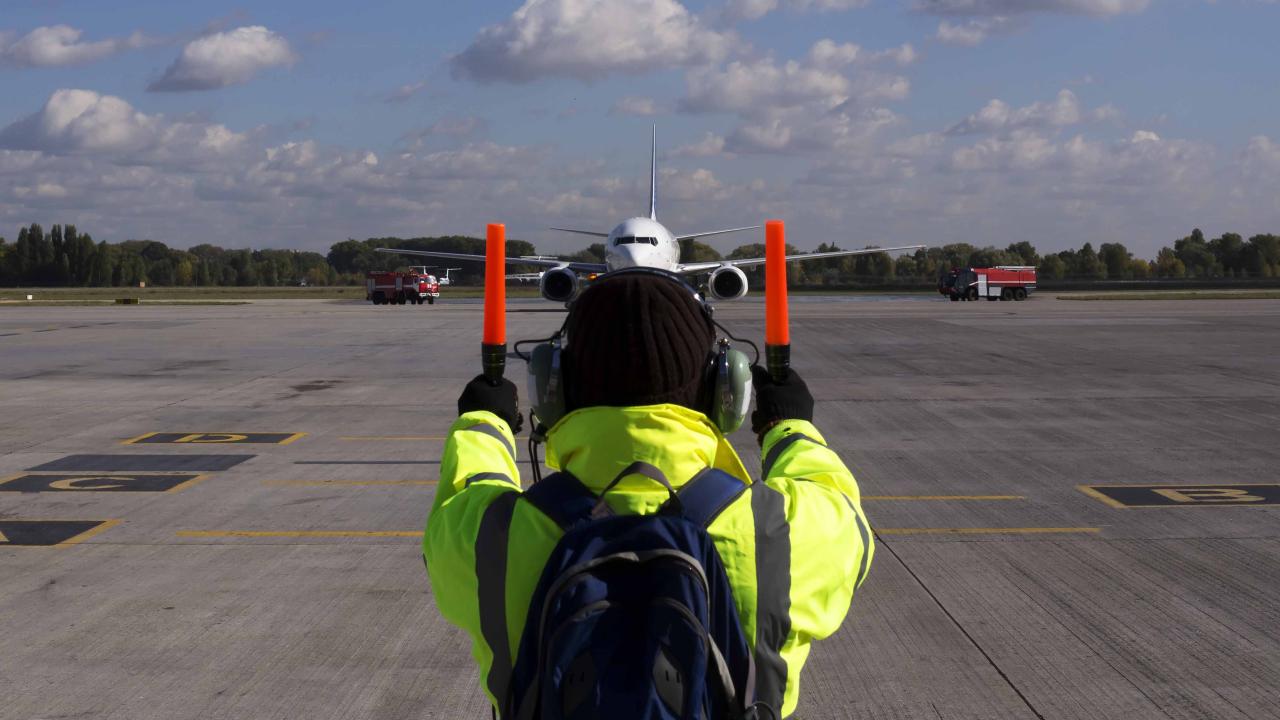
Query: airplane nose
point(623, 256)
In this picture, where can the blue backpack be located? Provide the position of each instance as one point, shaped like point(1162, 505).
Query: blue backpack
point(633, 616)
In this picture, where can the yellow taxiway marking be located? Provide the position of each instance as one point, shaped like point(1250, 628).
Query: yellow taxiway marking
point(104, 525)
point(74, 539)
point(298, 533)
point(328, 483)
point(211, 438)
point(943, 497)
point(371, 438)
point(985, 531)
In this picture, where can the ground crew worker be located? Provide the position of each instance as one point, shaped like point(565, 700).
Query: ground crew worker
point(794, 551)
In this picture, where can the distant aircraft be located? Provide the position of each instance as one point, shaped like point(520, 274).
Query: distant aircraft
point(642, 242)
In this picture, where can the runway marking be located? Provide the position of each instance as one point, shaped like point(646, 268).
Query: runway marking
point(944, 497)
point(1164, 495)
point(212, 438)
point(986, 531)
point(297, 533)
point(373, 438)
point(366, 462)
point(143, 463)
point(327, 483)
point(90, 482)
point(50, 533)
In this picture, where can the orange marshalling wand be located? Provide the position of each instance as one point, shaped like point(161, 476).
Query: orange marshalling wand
point(493, 348)
point(777, 327)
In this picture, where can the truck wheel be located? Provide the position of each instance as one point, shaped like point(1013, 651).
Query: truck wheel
point(973, 293)
point(1019, 293)
point(431, 301)
point(1006, 294)
point(377, 298)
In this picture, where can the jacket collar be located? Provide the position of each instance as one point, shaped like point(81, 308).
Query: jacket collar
point(597, 443)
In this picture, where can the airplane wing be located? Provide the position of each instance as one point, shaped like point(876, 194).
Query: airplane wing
point(592, 233)
point(716, 232)
point(537, 262)
point(747, 262)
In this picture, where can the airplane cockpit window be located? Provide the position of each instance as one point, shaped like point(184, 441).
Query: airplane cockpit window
point(629, 240)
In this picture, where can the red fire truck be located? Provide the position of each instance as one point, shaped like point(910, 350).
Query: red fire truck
point(1003, 282)
point(386, 287)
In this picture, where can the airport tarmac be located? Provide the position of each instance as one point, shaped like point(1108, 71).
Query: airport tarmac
point(239, 491)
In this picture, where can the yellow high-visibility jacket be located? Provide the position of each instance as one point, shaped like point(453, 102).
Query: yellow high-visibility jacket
point(795, 546)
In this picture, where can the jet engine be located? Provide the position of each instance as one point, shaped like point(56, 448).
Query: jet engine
point(727, 283)
point(559, 285)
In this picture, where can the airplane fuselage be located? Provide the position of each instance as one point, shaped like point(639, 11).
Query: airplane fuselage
point(641, 242)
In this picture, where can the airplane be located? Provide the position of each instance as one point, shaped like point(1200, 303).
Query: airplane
point(642, 242)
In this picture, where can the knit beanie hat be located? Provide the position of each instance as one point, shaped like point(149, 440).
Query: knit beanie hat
point(635, 339)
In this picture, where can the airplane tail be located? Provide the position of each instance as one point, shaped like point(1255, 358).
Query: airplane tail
point(653, 175)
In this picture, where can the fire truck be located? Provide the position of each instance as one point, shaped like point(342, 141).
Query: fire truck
point(387, 287)
point(1002, 282)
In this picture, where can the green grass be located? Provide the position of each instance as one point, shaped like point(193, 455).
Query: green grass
point(110, 303)
point(1181, 295)
point(172, 295)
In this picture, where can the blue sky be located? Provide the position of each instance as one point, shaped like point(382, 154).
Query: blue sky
point(298, 124)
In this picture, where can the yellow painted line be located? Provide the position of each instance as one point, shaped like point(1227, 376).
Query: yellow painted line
point(297, 533)
point(1100, 496)
point(371, 438)
point(190, 438)
point(328, 483)
point(188, 483)
point(74, 540)
point(140, 438)
point(120, 474)
point(986, 531)
point(943, 497)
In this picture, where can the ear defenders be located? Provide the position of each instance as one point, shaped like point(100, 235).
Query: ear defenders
point(726, 396)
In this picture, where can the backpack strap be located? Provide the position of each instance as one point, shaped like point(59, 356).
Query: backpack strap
point(563, 498)
point(707, 494)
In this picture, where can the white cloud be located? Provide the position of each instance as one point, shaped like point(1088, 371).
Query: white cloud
point(450, 127)
point(1098, 8)
point(830, 76)
point(631, 105)
point(83, 122)
point(60, 45)
point(709, 145)
point(406, 91)
point(224, 58)
point(973, 32)
point(755, 9)
point(1261, 157)
point(903, 55)
point(589, 40)
point(997, 116)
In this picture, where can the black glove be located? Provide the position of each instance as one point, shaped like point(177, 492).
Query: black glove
point(500, 399)
point(785, 400)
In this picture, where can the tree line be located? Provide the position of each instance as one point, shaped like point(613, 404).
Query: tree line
point(63, 256)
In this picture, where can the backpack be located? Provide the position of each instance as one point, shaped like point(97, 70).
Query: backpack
point(633, 616)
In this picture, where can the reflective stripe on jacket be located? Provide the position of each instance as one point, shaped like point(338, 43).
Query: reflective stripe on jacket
point(795, 547)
